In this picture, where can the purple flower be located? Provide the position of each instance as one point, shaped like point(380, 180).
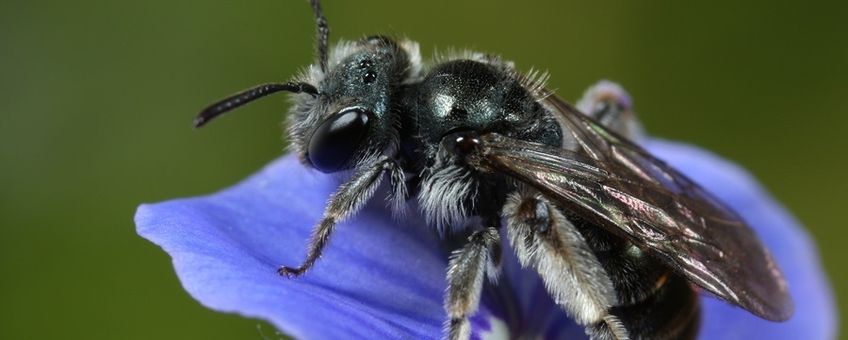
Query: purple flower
point(380, 278)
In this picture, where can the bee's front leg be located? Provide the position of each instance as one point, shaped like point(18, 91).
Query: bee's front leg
point(348, 200)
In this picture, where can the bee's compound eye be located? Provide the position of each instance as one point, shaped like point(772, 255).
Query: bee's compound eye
point(337, 139)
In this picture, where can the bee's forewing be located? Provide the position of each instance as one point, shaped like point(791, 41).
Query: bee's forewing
point(619, 186)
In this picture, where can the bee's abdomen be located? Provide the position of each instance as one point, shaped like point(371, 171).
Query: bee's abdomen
point(654, 301)
point(671, 312)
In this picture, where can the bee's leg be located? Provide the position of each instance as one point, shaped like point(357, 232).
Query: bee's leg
point(610, 328)
point(348, 200)
point(466, 269)
point(545, 240)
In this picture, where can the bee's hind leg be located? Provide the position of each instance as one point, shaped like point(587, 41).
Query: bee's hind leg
point(545, 240)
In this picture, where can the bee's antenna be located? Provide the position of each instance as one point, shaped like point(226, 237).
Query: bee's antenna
point(247, 96)
point(323, 33)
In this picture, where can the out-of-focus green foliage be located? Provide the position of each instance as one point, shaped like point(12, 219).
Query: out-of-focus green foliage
point(97, 98)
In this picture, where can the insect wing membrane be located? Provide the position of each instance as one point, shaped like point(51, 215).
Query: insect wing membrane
point(620, 187)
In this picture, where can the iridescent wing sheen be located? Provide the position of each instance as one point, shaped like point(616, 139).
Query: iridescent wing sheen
point(619, 186)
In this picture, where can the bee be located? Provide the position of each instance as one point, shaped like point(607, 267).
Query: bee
point(620, 239)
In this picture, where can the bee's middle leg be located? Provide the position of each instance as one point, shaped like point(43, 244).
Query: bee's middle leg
point(466, 269)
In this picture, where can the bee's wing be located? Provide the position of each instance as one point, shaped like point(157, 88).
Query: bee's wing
point(619, 186)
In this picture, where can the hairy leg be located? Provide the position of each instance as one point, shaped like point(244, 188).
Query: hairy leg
point(466, 269)
point(348, 200)
point(545, 240)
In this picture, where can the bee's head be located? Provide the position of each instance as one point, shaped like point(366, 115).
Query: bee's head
point(353, 117)
point(344, 103)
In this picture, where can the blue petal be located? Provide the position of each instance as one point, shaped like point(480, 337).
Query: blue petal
point(381, 279)
point(376, 278)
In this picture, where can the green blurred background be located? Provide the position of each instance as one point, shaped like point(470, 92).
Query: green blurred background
point(97, 98)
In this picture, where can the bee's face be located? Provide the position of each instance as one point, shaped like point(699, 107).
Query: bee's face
point(352, 118)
